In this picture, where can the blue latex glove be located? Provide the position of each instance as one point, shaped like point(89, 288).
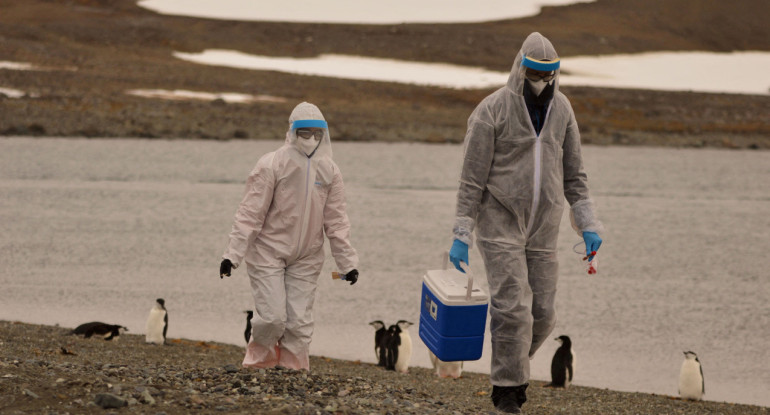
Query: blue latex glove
point(459, 252)
point(593, 242)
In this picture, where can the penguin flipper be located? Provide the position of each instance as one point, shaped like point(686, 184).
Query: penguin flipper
point(165, 326)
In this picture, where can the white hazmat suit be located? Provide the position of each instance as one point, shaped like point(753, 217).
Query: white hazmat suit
point(291, 201)
point(512, 190)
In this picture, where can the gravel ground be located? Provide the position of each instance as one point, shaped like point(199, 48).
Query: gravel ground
point(44, 370)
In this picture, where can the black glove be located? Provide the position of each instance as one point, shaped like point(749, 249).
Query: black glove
point(224, 268)
point(352, 276)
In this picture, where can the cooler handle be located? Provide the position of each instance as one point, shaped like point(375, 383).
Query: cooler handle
point(466, 268)
point(445, 260)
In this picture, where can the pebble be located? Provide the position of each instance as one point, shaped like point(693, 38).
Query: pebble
point(146, 398)
point(30, 394)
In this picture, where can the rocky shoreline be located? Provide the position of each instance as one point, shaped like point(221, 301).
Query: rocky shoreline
point(45, 370)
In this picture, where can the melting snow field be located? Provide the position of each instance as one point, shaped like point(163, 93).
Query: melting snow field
point(678, 71)
point(355, 11)
point(675, 71)
point(97, 229)
point(356, 67)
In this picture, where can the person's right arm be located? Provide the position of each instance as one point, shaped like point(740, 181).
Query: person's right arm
point(252, 210)
point(477, 161)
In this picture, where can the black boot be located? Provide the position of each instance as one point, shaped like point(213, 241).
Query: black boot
point(509, 399)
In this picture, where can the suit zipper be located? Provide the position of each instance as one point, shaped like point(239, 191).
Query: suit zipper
point(303, 220)
point(538, 170)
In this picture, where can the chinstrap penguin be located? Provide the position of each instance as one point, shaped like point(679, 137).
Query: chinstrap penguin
point(691, 383)
point(446, 369)
point(380, 342)
point(157, 323)
point(108, 331)
point(392, 340)
point(404, 346)
point(247, 332)
point(563, 364)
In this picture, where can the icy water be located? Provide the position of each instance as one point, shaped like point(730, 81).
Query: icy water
point(96, 229)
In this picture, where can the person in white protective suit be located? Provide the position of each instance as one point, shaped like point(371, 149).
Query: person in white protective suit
point(293, 197)
point(522, 158)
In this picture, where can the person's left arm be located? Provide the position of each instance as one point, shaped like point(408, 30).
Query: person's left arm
point(582, 213)
point(337, 226)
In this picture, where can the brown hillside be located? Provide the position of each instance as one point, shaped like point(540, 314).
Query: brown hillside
point(97, 49)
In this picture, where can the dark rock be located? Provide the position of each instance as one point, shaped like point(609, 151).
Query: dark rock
point(108, 400)
point(245, 391)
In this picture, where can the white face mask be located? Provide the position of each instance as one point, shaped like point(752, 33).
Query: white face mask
point(537, 86)
point(307, 145)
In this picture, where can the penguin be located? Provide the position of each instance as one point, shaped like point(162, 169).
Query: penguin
point(691, 383)
point(380, 342)
point(247, 333)
point(404, 355)
point(157, 323)
point(108, 331)
point(446, 369)
point(563, 364)
point(392, 341)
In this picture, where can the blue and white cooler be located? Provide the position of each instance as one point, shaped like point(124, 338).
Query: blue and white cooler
point(453, 315)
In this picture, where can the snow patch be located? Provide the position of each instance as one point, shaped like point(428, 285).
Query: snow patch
point(16, 93)
point(180, 94)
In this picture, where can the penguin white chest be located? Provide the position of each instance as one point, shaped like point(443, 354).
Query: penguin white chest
point(449, 369)
point(155, 326)
point(691, 380)
point(404, 352)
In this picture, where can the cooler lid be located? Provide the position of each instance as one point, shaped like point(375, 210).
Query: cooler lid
point(451, 287)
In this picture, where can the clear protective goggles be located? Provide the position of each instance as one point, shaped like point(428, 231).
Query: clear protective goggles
point(307, 133)
point(535, 76)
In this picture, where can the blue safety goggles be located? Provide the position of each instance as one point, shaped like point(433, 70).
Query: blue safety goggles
point(540, 65)
point(309, 124)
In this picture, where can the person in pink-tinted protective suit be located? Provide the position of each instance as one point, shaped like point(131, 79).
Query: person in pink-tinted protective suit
point(293, 197)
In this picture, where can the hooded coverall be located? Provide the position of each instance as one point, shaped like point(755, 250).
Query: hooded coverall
point(291, 201)
point(512, 190)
